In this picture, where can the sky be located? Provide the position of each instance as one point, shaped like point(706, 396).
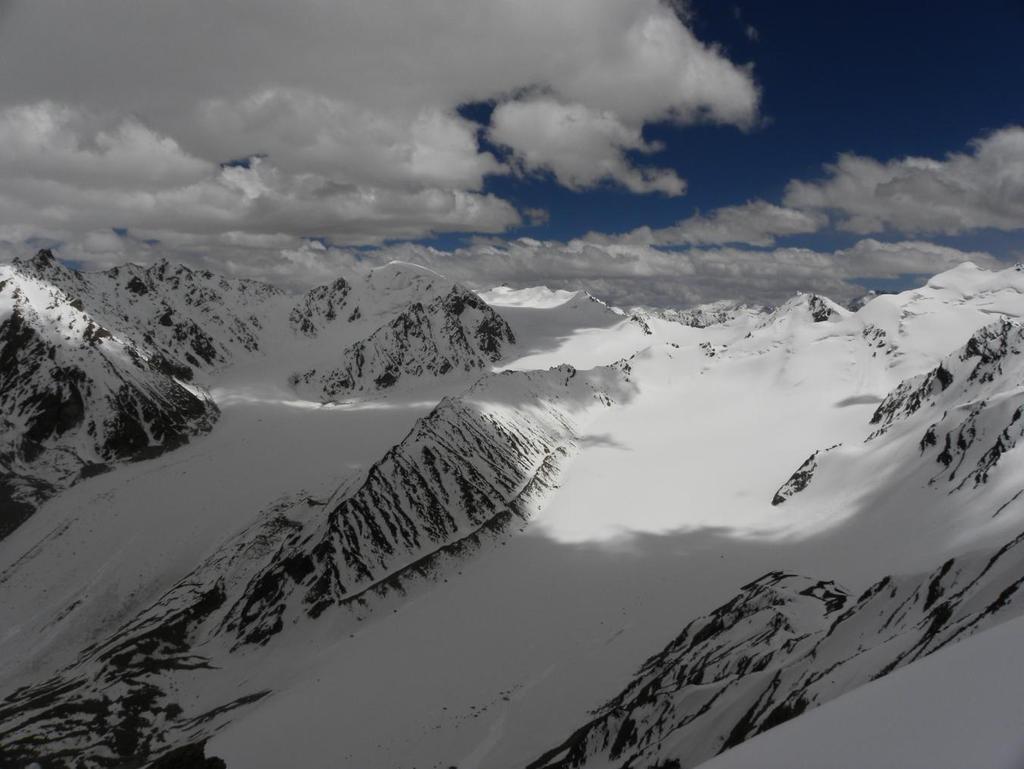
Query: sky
point(655, 152)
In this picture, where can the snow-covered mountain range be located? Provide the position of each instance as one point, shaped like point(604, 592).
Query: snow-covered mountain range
point(392, 522)
point(107, 367)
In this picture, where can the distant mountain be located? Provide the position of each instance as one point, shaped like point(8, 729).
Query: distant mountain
point(818, 309)
point(436, 328)
point(195, 317)
point(111, 366)
point(960, 418)
point(712, 314)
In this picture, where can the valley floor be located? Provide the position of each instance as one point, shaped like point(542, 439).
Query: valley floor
point(507, 654)
point(491, 668)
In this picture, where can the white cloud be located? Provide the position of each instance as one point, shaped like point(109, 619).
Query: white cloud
point(49, 141)
point(755, 223)
point(306, 132)
point(64, 178)
point(650, 67)
point(365, 93)
point(635, 58)
point(965, 191)
point(580, 146)
point(627, 275)
point(874, 259)
point(124, 118)
point(635, 274)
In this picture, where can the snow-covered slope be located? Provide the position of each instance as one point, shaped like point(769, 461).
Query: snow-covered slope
point(784, 645)
point(958, 708)
point(443, 332)
point(797, 643)
point(115, 365)
point(309, 565)
point(712, 314)
point(463, 476)
point(951, 426)
point(193, 317)
point(76, 396)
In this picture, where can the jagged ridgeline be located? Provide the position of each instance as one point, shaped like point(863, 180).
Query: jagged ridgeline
point(438, 328)
point(783, 645)
point(123, 663)
point(77, 392)
point(99, 368)
point(788, 643)
point(464, 475)
point(961, 417)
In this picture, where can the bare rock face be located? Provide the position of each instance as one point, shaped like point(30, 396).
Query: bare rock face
point(108, 366)
point(76, 396)
point(964, 414)
point(193, 317)
point(785, 644)
point(414, 325)
point(463, 476)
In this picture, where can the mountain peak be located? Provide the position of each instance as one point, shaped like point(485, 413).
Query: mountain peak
point(809, 306)
point(44, 256)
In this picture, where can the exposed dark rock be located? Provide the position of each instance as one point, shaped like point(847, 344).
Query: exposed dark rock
point(188, 757)
point(782, 646)
point(456, 331)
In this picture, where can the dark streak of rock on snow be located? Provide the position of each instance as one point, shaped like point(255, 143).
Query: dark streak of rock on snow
point(783, 645)
point(75, 396)
point(461, 479)
point(454, 331)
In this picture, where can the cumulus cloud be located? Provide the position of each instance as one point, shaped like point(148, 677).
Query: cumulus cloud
point(62, 177)
point(361, 94)
point(870, 258)
point(980, 188)
point(348, 112)
point(755, 223)
point(307, 132)
point(50, 141)
point(580, 146)
point(636, 59)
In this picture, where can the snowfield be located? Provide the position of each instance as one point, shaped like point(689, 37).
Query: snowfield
point(428, 528)
point(959, 707)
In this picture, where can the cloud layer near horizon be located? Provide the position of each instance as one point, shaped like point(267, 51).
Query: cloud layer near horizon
point(626, 275)
point(981, 188)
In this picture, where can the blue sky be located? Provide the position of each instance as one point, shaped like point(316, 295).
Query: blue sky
point(882, 79)
point(653, 151)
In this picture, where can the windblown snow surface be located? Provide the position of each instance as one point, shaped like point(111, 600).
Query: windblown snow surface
point(407, 525)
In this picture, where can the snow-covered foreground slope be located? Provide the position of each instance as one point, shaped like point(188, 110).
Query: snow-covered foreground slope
point(958, 708)
point(784, 645)
point(355, 584)
point(463, 476)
